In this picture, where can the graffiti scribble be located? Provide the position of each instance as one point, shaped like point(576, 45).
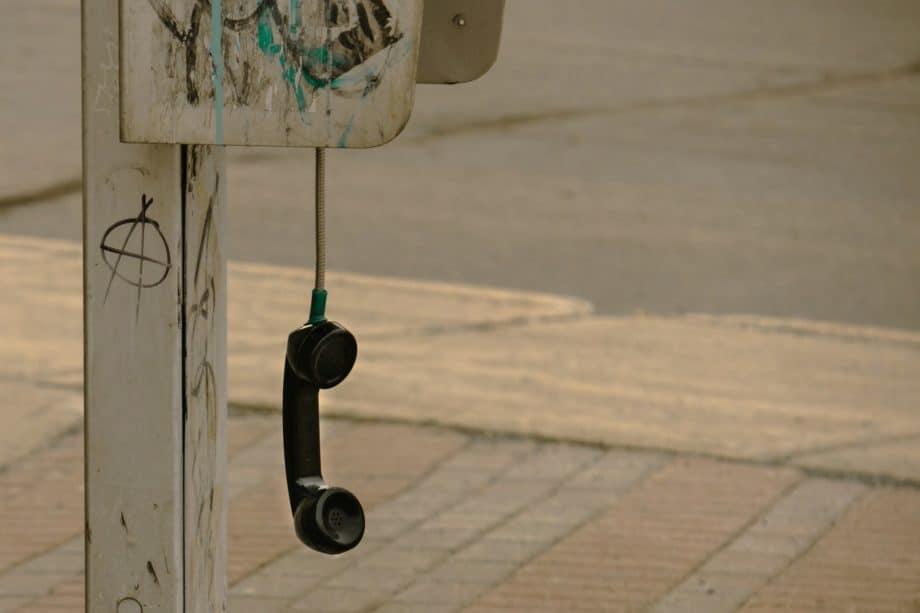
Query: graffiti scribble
point(308, 59)
point(153, 260)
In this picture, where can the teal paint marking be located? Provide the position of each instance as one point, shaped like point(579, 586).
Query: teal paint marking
point(266, 37)
point(317, 60)
point(296, 16)
point(268, 46)
point(306, 68)
point(289, 74)
point(346, 132)
point(314, 61)
point(217, 56)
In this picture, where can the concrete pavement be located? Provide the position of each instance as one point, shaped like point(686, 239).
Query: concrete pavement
point(827, 396)
point(667, 157)
point(483, 523)
point(513, 510)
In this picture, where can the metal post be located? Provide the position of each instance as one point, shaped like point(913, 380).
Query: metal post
point(155, 355)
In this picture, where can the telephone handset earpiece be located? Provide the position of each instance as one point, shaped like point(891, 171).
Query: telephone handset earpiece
point(320, 355)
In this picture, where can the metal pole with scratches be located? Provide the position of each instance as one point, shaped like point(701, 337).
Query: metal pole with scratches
point(155, 321)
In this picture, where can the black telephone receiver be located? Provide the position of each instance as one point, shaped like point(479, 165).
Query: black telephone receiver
point(320, 354)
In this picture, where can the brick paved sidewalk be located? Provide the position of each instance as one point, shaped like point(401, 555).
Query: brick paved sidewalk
point(461, 522)
point(832, 397)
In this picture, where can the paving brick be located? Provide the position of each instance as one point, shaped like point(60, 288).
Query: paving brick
point(535, 476)
point(402, 451)
point(421, 502)
point(615, 471)
point(281, 585)
point(570, 505)
point(59, 560)
point(636, 551)
point(488, 453)
point(447, 488)
point(420, 538)
point(470, 571)
point(333, 600)
point(460, 516)
point(770, 543)
point(398, 557)
point(593, 486)
point(386, 528)
point(711, 592)
point(411, 607)
point(266, 454)
point(54, 605)
point(42, 502)
point(68, 595)
point(372, 578)
point(447, 539)
point(809, 507)
point(526, 530)
point(33, 412)
point(747, 562)
point(512, 525)
point(505, 496)
point(378, 574)
point(259, 524)
point(259, 528)
point(440, 592)
point(868, 563)
point(297, 572)
point(553, 462)
point(53, 577)
point(306, 561)
point(8, 604)
point(246, 604)
point(499, 550)
point(244, 431)
point(532, 477)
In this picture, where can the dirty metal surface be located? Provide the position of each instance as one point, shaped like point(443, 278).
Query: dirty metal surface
point(310, 73)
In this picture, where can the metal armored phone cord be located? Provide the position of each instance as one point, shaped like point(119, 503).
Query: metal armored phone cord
point(318, 302)
point(319, 356)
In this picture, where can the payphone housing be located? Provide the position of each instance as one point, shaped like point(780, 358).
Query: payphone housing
point(302, 73)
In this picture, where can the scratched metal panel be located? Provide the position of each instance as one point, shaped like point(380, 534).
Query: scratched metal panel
point(460, 40)
point(135, 380)
point(309, 73)
point(206, 380)
point(133, 355)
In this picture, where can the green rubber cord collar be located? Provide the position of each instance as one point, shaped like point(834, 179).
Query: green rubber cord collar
point(318, 307)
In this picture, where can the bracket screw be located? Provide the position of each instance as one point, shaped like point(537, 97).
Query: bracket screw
point(459, 20)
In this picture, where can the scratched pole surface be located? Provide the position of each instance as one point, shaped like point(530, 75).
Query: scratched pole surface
point(154, 432)
point(206, 379)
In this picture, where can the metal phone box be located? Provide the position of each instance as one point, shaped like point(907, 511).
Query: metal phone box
point(306, 73)
point(460, 39)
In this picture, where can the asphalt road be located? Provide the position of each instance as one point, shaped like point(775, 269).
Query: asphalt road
point(665, 156)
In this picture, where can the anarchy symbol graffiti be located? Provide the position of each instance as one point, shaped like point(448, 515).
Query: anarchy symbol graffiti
point(136, 251)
